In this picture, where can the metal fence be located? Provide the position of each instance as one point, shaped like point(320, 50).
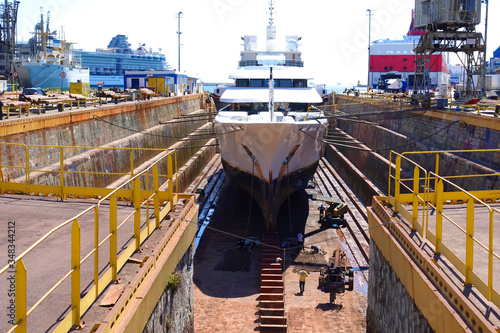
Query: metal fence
point(434, 205)
point(150, 206)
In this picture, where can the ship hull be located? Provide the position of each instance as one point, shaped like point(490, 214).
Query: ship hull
point(49, 75)
point(269, 159)
point(269, 196)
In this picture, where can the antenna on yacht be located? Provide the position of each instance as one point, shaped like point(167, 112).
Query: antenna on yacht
point(271, 95)
point(271, 29)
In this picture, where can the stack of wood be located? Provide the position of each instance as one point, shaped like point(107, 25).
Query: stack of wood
point(111, 94)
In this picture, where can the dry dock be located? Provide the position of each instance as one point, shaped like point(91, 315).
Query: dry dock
point(409, 273)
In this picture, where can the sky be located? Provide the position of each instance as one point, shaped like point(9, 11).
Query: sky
point(334, 33)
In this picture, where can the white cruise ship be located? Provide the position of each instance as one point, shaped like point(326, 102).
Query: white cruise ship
point(270, 135)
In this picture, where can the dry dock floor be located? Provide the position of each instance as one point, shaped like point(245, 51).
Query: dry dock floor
point(228, 301)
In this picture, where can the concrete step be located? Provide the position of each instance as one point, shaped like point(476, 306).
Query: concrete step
point(269, 261)
point(270, 256)
point(271, 289)
point(270, 265)
point(269, 304)
point(272, 297)
point(270, 253)
point(272, 312)
point(271, 277)
point(272, 328)
point(271, 283)
point(273, 320)
point(265, 271)
point(268, 250)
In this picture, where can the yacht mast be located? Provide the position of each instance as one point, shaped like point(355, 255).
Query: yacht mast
point(271, 29)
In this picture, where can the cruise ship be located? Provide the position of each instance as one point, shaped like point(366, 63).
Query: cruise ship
point(270, 134)
point(107, 66)
point(49, 62)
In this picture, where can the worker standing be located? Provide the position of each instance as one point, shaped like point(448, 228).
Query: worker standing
point(300, 241)
point(302, 280)
point(321, 212)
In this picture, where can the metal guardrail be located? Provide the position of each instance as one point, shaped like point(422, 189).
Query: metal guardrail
point(22, 182)
point(434, 197)
point(140, 198)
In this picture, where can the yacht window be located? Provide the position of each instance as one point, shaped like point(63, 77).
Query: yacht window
point(260, 106)
point(259, 83)
point(242, 83)
point(298, 106)
point(299, 83)
point(283, 83)
point(243, 106)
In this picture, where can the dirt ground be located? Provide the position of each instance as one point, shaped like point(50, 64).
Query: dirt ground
point(226, 279)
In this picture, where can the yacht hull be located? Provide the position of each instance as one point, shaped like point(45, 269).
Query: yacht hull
point(269, 160)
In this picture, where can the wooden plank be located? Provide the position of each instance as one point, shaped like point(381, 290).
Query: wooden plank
point(114, 292)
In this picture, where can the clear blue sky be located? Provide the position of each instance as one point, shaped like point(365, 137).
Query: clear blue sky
point(334, 33)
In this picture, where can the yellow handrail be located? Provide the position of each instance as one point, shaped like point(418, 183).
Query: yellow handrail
point(79, 305)
point(436, 198)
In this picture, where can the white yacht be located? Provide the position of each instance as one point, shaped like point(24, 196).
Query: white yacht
point(270, 134)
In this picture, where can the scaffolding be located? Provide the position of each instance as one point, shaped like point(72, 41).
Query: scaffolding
point(8, 21)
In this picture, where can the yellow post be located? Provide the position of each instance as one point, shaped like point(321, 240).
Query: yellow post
point(21, 297)
point(27, 179)
point(170, 183)
point(156, 187)
point(61, 174)
point(390, 174)
point(490, 258)
point(469, 244)
point(113, 240)
point(137, 214)
point(131, 163)
point(439, 215)
point(416, 184)
point(1, 169)
point(396, 182)
point(147, 203)
point(176, 167)
point(437, 170)
point(75, 276)
point(96, 248)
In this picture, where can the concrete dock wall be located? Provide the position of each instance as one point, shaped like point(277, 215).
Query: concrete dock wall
point(390, 307)
point(94, 127)
point(174, 311)
point(422, 131)
point(148, 124)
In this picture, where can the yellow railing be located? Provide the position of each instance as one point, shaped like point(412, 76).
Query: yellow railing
point(24, 183)
point(415, 203)
point(142, 199)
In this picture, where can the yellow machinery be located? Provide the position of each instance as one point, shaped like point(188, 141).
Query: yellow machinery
point(79, 88)
point(336, 208)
